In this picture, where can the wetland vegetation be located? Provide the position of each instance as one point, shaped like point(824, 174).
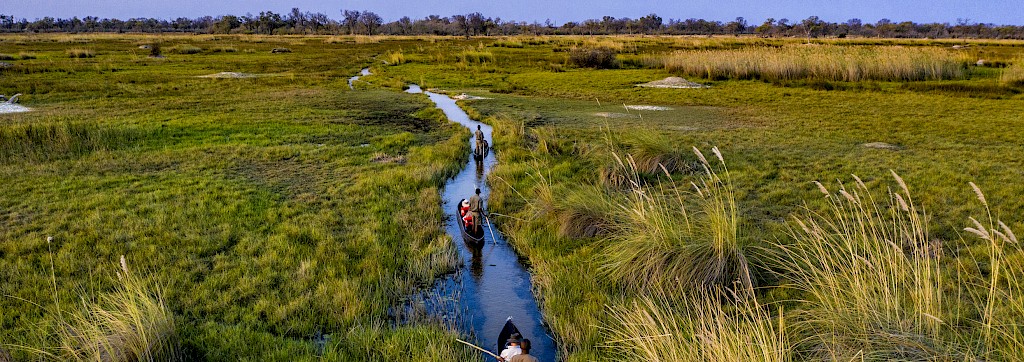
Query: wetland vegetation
point(282, 215)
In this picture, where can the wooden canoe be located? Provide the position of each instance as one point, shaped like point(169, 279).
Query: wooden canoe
point(507, 331)
point(474, 239)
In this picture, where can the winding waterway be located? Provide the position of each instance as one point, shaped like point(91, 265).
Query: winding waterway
point(492, 285)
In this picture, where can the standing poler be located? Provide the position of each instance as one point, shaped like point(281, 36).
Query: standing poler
point(479, 137)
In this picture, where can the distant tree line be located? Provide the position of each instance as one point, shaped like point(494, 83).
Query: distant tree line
point(473, 24)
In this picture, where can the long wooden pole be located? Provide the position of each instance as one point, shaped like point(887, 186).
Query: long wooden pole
point(478, 348)
point(493, 239)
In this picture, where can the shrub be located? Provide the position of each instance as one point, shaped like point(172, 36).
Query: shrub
point(600, 58)
point(155, 51)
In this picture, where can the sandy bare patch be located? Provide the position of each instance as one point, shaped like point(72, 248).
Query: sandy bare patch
point(229, 75)
point(613, 115)
point(672, 82)
point(12, 108)
point(647, 108)
point(466, 97)
point(882, 146)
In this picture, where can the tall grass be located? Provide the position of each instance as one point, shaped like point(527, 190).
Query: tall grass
point(395, 57)
point(131, 323)
point(823, 62)
point(999, 297)
point(704, 326)
point(44, 142)
point(474, 57)
point(658, 243)
point(1014, 74)
point(872, 277)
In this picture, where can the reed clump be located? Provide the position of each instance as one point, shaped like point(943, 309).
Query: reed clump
point(820, 62)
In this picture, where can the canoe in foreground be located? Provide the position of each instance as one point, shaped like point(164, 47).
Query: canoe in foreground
point(468, 235)
point(507, 331)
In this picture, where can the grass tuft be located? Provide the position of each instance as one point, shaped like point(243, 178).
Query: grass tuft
point(81, 53)
point(131, 323)
point(658, 243)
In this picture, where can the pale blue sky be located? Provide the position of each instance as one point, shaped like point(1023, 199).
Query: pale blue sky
point(755, 11)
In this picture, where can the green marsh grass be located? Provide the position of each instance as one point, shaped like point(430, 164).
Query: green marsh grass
point(659, 243)
point(253, 200)
point(81, 53)
point(185, 49)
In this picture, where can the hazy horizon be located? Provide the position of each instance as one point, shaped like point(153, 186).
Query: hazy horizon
point(998, 12)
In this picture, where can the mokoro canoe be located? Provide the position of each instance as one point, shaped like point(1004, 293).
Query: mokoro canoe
point(507, 331)
point(475, 239)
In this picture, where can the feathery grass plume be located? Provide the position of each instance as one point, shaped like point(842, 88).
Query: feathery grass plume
point(873, 289)
point(999, 293)
point(131, 323)
point(710, 324)
point(657, 243)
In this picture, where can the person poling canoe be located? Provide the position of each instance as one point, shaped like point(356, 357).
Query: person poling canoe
point(479, 136)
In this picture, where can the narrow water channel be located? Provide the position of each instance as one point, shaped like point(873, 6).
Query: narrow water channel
point(492, 285)
point(351, 81)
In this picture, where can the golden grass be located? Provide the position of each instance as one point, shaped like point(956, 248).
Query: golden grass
point(131, 323)
point(395, 57)
point(1001, 297)
point(872, 277)
point(1014, 74)
point(704, 326)
point(824, 62)
point(80, 53)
